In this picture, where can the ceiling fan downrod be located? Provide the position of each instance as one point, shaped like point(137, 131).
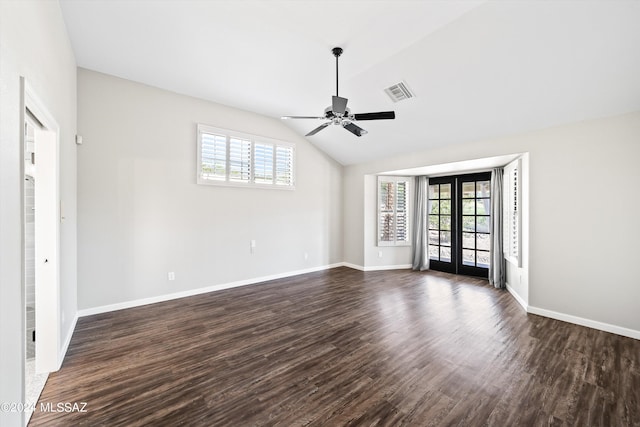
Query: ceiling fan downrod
point(337, 51)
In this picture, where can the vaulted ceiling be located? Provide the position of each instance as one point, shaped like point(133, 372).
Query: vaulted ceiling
point(478, 69)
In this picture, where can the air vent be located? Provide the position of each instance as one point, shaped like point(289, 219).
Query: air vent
point(399, 92)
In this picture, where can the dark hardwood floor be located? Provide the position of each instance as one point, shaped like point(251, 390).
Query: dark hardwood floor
point(344, 347)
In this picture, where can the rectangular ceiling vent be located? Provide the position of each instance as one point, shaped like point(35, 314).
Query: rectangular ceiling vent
point(399, 92)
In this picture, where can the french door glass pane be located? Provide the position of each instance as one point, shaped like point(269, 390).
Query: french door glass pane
point(434, 222)
point(483, 188)
point(445, 191)
point(445, 238)
point(434, 191)
point(469, 223)
point(445, 207)
point(482, 224)
point(469, 240)
point(434, 252)
point(483, 206)
point(434, 207)
point(484, 241)
point(445, 222)
point(468, 207)
point(468, 257)
point(468, 190)
point(483, 259)
point(445, 254)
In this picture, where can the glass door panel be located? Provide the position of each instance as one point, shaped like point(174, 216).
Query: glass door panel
point(441, 222)
point(475, 242)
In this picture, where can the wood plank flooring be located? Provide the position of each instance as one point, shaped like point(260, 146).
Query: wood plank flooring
point(344, 347)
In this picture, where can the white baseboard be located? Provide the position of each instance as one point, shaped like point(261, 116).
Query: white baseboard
point(377, 267)
point(198, 291)
point(606, 327)
point(67, 341)
point(354, 266)
point(517, 297)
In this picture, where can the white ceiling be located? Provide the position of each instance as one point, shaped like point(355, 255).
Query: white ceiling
point(479, 69)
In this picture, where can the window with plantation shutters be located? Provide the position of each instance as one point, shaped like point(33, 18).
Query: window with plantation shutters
point(233, 158)
point(214, 156)
point(512, 212)
point(263, 163)
point(284, 165)
point(393, 211)
point(239, 160)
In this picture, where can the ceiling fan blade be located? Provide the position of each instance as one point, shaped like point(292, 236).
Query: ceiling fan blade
point(318, 129)
point(354, 129)
point(382, 115)
point(338, 104)
point(302, 117)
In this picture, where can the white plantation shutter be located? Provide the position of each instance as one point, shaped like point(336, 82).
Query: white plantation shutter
point(237, 159)
point(214, 156)
point(284, 165)
point(402, 226)
point(386, 217)
point(512, 213)
point(263, 163)
point(393, 211)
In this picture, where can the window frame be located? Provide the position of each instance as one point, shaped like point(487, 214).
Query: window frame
point(253, 139)
point(408, 197)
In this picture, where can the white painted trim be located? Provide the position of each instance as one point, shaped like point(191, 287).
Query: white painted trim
point(192, 292)
point(619, 330)
point(377, 267)
point(388, 267)
point(354, 266)
point(67, 341)
point(517, 297)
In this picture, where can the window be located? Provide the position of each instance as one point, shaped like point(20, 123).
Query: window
point(512, 212)
point(233, 158)
point(393, 211)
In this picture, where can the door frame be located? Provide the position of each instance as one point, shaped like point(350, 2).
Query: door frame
point(47, 244)
point(456, 266)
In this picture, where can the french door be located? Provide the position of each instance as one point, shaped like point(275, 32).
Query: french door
point(458, 210)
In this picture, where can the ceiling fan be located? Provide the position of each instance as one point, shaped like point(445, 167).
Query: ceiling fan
point(338, 113)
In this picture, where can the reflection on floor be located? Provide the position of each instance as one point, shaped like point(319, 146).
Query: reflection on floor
point(34, 383)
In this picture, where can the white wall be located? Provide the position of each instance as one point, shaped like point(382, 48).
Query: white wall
point(33, 44)
point(582, 178)
point(141, 213)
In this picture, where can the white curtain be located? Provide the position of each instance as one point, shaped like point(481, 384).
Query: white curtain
point(497, 267)
point(419, 250)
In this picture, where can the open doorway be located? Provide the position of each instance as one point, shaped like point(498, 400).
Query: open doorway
point(41, 243)
point(34, 381)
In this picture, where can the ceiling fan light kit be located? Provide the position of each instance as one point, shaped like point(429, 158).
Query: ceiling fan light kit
point(339, 114)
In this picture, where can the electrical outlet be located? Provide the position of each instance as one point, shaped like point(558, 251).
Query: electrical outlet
point(171, 275)
point(306, 256)
point(379, 254)
point(252, 246)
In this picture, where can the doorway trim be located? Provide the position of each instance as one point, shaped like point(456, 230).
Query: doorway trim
point(47, 304)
